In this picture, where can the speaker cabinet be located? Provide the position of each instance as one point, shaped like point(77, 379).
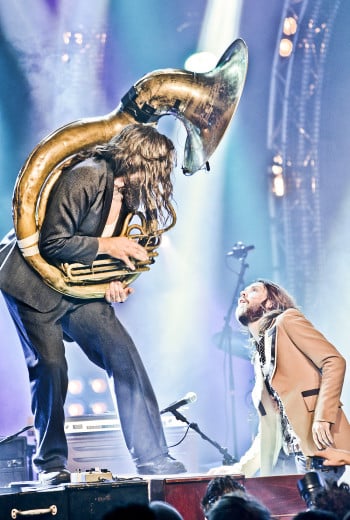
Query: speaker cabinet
point(98, 442)
point(13, 461)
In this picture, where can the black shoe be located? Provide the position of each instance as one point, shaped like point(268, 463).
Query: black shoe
point(54, 477)
point(163, 465)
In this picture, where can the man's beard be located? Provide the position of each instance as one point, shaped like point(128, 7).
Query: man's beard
point(250, 315)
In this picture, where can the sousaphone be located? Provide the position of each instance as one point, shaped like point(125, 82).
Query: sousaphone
point(204, 102)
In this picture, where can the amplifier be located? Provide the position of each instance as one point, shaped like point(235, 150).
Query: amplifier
point(98, 442)
point(13, 461)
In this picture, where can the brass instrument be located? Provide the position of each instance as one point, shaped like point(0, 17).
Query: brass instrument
point(203, 102)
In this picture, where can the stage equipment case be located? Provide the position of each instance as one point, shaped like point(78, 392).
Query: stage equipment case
point(72, 501)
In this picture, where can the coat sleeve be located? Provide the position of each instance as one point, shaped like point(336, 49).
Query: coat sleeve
point(73, 202)
point(324, 357)
point(262, 454)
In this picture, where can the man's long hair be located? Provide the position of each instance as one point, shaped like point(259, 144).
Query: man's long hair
point(279, 299)
point(141, 149)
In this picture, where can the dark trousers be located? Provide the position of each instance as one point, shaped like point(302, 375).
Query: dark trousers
point(95, 328)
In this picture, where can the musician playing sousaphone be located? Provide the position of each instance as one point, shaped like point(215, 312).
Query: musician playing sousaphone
point(97, 188)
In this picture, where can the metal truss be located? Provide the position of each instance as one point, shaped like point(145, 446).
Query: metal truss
point(293, 138)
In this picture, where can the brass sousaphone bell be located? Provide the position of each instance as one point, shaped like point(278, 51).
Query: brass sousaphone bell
point(204, 102)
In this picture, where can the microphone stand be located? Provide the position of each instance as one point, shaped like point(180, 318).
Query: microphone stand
point(225, 342)
point(227, 458)
point(11, 437)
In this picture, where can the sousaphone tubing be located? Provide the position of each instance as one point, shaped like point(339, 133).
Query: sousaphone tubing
point(204, 102)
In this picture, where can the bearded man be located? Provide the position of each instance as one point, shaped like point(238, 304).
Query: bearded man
point(299, 379)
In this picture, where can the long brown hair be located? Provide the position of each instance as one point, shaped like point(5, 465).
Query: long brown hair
point(279, 299)
point(141, 149)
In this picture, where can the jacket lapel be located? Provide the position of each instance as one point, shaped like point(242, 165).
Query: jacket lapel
point(270, 352)
point(107, 200)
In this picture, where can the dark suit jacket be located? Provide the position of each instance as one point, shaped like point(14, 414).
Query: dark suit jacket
point(76, 214)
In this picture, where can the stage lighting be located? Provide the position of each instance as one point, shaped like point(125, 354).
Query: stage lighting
point(66, 37)
point(286, 47)
point(278, 185)
point(75, 386)
point(99, 408)
point(76, 409)
point(78, 38)
point(290, 26)
point(98, 385)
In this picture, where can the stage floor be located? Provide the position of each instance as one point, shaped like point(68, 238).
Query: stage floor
point(90, 500)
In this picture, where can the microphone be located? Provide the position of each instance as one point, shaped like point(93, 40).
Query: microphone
point(190, 397)
point(239, 250)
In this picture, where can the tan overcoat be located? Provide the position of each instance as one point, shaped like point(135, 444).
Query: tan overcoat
point(307, 372)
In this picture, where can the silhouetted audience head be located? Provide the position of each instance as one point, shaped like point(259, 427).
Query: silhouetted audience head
point(130, 512)
point(217, 487)
point(335, 498)
point(316, 514)
point(165, 511)
point(156, 510)
point(238, 506)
